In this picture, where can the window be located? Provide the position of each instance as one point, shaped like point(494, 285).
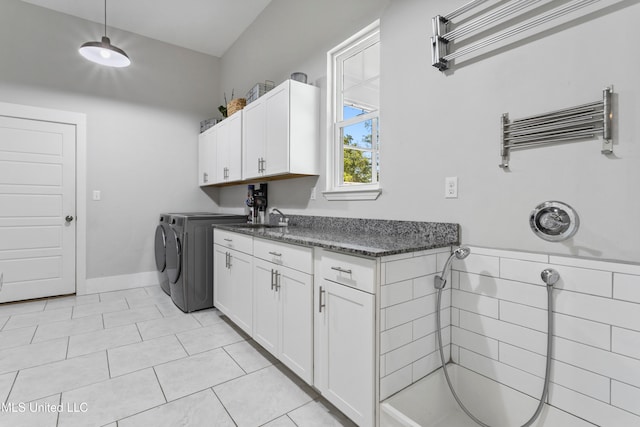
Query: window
point(353, 146)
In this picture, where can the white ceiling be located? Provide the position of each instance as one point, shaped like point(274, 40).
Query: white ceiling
point(207, 26)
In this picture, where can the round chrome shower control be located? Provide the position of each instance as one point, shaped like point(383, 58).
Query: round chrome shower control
point(550, 276)
point(554, 221)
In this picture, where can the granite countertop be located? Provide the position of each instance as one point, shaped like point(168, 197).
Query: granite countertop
point(372, 238)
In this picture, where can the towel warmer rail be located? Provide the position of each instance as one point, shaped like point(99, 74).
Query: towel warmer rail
point(443, 46)
point(570, 124)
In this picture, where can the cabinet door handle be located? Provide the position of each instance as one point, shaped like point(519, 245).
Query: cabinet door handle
point(205, 177)
point(275, 253)
point(277, 281)
point(320, 303)
point(228, 260)
point(341, 270)
point(259, 165)
point(1, 280)
point(272, 279)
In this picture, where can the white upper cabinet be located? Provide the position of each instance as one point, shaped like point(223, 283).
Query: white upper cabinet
point(207, 157)
point(229, 149)
point(281, 132)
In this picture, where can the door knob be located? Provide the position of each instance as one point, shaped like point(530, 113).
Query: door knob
point(68, 218)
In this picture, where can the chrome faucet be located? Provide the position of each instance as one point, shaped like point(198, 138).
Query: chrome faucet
point(284, 220)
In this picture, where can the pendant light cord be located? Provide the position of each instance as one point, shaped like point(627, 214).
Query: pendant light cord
point(105, 18)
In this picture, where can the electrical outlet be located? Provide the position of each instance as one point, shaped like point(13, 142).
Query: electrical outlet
point(96, 195)
point(451, 187)
point(313, 194)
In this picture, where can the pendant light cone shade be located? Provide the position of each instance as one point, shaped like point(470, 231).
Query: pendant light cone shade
point(103, 52)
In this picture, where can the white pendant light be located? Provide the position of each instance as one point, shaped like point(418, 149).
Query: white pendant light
point(103, 52)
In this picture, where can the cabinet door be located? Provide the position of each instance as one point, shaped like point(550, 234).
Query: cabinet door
point(346, 327)
point(277, 131)
point(229, 149)
point(265, 306)
point(222, 295)
point(242, 290)
point(295, 291)
point(206, 157)
point(234, 146)
point(220, 150)
point(253, 138)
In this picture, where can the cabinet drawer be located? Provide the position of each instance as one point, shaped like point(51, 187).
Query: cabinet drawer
point(356, 272)
point(231, 240)
point(293, 256)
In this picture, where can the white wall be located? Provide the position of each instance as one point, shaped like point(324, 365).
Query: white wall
point(436, 125)
point(142, 123)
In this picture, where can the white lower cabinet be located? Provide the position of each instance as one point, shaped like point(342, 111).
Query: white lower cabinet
point(233, 288)
point(282, 316)
point(345, 328)
point(222, 280)
point(345, 359)
point(324, 330)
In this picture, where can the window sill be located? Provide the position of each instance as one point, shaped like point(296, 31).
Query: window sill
point(355, 194)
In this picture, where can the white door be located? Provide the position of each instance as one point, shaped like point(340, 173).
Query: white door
point(234, 147)
point(37, 209)
point(242, 290)
point(222, 296)
point(265, 306)
point(347, 340)
point(206, 157)
point(277, 131)
point(295, 290)
point(253, 139)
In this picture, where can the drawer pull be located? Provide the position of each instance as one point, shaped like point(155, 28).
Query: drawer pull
point(341, 270)
point(275, 253)
point(320, 303)
point(228, 240)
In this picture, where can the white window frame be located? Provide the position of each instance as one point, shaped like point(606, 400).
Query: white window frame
point(335, 145)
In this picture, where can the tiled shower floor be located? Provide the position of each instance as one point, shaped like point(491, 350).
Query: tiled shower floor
point(131, 358)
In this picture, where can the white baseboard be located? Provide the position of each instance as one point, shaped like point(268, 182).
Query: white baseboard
point(123, 281)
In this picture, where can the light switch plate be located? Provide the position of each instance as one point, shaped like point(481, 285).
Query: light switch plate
point(96, 195)
point(451, 187)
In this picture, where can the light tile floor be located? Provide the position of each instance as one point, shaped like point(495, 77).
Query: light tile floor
point(131, 358)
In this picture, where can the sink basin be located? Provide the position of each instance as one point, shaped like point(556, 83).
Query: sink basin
point(258, 226)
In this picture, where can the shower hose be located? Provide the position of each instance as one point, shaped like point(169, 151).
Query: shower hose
point(547, 370)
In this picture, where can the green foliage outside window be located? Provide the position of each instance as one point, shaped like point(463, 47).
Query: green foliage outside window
point(357, 167)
